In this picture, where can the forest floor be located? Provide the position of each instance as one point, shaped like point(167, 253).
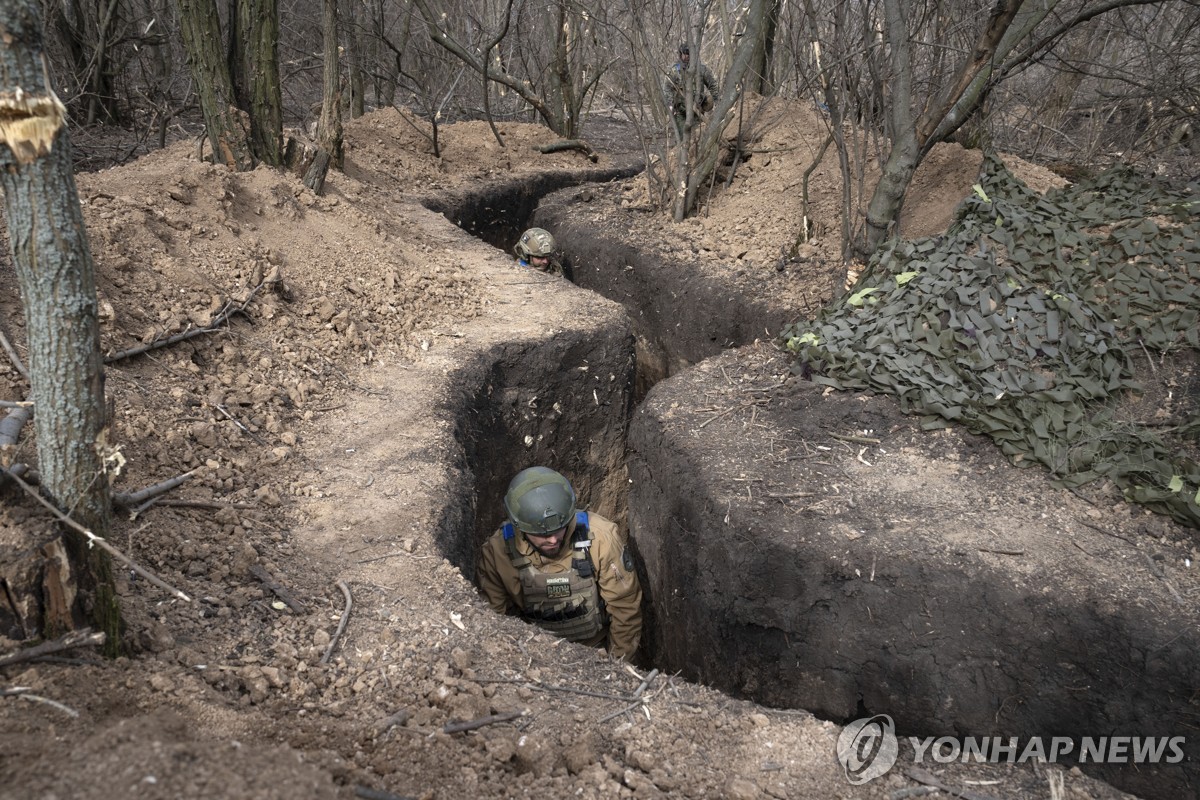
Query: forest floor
point(314, 425)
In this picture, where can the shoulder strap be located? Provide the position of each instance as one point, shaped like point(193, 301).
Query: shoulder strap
point(510, 544)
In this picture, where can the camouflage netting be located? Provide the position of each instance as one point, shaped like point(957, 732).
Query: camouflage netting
point(1020, 323)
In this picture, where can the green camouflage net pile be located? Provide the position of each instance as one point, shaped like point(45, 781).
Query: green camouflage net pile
point(1019, 323)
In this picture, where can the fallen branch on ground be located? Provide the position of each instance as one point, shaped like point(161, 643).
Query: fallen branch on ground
point(134, 499)
point(10, 426)
point(569, 144)
point(83, 637)
point(93, 539)
point(280, 591)
point(12, 354)
point(459, 727)
point(341, 625)
point(23, 693)
point(928, 779)
point(238, 422)
point(637, 698)
point(216, 323)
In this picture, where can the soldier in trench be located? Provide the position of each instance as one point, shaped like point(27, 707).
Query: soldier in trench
point(535, 250)
point(562, 569)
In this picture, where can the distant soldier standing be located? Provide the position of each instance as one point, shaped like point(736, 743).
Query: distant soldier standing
point(680, 85)
point(563, 570)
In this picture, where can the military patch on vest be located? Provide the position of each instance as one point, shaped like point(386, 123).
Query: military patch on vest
point(627, 560)
point(558, 587)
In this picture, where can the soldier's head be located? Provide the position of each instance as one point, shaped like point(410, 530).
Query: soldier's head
point(536, 245)
point(541, 504)
point(685, 54)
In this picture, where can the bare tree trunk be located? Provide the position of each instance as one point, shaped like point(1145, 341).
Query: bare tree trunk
point(762, 65)
point(227, 126)
point(355, 47)
point(709, 147)
point(54, 265)
point(905, 153)
point(912, 140)
point(329, 128)
point(258, 25)
point(102, 102)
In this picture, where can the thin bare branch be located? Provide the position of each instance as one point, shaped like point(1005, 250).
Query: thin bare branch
point(84, 637)
point(341, 625)
point(93, 539)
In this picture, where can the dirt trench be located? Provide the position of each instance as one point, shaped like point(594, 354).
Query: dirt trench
point(975, 600)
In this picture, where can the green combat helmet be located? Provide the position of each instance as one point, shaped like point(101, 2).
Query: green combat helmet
point(539, 501)
point(535, 242)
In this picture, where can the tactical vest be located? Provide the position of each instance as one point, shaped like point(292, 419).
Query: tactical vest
point(567, 604)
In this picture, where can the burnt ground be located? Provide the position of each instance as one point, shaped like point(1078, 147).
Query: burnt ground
point(358, 430)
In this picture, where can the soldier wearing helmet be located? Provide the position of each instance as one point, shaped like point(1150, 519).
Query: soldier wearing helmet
point(535, 249)
point(562, 569)
point(681, 85)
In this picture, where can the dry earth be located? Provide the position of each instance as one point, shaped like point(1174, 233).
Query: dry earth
point(319, 427)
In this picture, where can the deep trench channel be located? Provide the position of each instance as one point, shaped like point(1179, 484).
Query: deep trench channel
point(508, 425)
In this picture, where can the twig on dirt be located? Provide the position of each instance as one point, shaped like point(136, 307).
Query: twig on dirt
point(1149, 360)
point(80, 638)
point(459, 727)
point(631, 707)
point(216, 323)
point(1002, 552)
point(856, 439)
point(397, 553)
point(546, 687)
point(784, 495)
point(399, 718)
point(645, 683)
point(12, 354)
point(1158, 572)
point(637, 697)
point(238, 422)
point(341, 625)
point(132, 499)
point(183, 502)
point(928, 779)
point(279, 589)
point(23, 693)
point(1113, 534)
point(378, 794)
point(93, 539)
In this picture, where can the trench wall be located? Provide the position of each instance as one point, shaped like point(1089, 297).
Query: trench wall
point(563, 401)
point(681, 313)
point(847, 616)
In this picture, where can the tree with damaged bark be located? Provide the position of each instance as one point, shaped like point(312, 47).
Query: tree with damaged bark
point(49, 248)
